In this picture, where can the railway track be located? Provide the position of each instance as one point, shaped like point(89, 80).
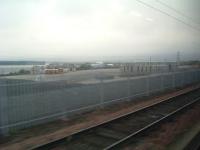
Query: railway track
point(118, 131)
point(132, 140)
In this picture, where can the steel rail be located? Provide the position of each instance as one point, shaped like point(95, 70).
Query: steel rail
point(142, 131)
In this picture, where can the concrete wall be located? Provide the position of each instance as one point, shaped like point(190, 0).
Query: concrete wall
point(27, 104)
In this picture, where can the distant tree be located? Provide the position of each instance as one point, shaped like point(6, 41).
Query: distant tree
point(22, 71)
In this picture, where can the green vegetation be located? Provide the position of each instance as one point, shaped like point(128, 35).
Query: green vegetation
point(85, 66)
point(20, 72)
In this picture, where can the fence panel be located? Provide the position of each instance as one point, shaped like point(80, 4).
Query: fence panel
point(25, 103)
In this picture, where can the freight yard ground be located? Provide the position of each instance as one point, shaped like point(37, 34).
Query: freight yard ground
point(78, 76)
point(43, 133)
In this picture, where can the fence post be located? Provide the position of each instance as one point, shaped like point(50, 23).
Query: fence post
point(3, 107)
point(183, 84)
point(194, 74)
point(101, 93)
point(173, 80)
point(162, 82)
point(186, 78)
point(129, 87)
point(196, 78)
point(148, 85)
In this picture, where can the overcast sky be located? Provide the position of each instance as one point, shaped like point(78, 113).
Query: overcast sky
point(74, 30)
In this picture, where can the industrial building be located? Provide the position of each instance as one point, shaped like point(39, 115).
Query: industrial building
point(37, 69)
point(141, 68)
point(53, 69)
